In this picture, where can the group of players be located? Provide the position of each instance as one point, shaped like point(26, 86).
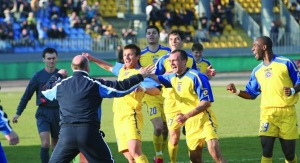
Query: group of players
point(164, 105)
point(179, 94)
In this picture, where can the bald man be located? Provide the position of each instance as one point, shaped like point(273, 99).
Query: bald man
point(79, 97)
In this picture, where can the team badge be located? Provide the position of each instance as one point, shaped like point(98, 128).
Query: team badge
point(268, 73)
point(205, 92)
point(155, 59)
point(179, 86)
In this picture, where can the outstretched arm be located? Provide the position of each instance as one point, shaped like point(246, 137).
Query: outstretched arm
point(101, 63)
point(5, 128)
point(210, 72)
point(231, 88)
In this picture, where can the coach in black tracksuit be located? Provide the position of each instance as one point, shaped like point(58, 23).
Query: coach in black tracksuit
point(79, 97)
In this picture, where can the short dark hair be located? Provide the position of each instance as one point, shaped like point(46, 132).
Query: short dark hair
point(49, 50)
point(82, 64)
point(197, 46)
point(267, 41)
point(177, 32)
point(135, 47)
point(183, 54)
point(152, 26)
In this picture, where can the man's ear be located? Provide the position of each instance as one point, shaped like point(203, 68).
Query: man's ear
point(264, 47)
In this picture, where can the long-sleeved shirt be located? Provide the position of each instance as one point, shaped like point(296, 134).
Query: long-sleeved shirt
point(79, 96)
point(36, 84)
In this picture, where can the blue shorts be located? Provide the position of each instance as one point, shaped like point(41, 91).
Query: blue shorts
point(2, 155)
point(47, 120)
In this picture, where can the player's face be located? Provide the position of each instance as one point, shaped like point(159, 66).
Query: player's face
point(50, 60)
point(177, 64)
point(258, 49)
point(152, 36)
point(130, 58)
point(197, 54)
point(175, 42)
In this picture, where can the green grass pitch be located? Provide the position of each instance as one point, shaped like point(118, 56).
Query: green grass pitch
point(238, 126)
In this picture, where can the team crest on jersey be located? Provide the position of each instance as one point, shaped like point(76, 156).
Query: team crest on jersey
point(205, 92)
point(268, 73)
point(155, 59)
point(179, 86)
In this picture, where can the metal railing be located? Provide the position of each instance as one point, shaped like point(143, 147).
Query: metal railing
point(285, 43)
point(246, 21)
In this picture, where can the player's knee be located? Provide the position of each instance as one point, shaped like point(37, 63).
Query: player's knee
point(45, 144)
point(267, 152)
point(174, 140)
point(289, 156)
point(158, 130)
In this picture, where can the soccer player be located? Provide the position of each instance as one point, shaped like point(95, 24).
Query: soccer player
point(277, 79)
point(202, 64)
point(8, 132)
point(154, 104)
point(193, 97)
point(79, 97)
point(128, 118)
point(171, 110)
point(47, 114)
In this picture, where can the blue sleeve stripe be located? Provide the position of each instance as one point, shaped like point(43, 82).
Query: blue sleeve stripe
point(4, 126)
point(206, 61)
point(109, 92)
point(198, 78)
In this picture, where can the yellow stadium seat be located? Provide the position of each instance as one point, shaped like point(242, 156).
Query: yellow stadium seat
point(244, 44)
point(173, 1)
point(206, 44)
point(230, 44)
point(225, 32)
point(239, 38)
point(215, 38)
point(177, 6)
point(228, 27)
point(250, 10)
point(223, 38)
point(182, 28)
point(214, 45)
point(276, 9)
point(174, 27)
point(233, 32)
point(237, 44)
point(245, 5)
point(223, 44)
point(231, 38)
point(170, 6)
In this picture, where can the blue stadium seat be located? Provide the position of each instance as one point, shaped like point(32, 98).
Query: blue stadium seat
point(87, 36)
point(16, 26)
point(80, 31)
point(73, 31)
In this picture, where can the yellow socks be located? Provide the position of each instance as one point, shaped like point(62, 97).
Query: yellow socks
point(293, 161)
point(266, 159)
point(157, 142)
point(173, 150)
point(141, 159)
